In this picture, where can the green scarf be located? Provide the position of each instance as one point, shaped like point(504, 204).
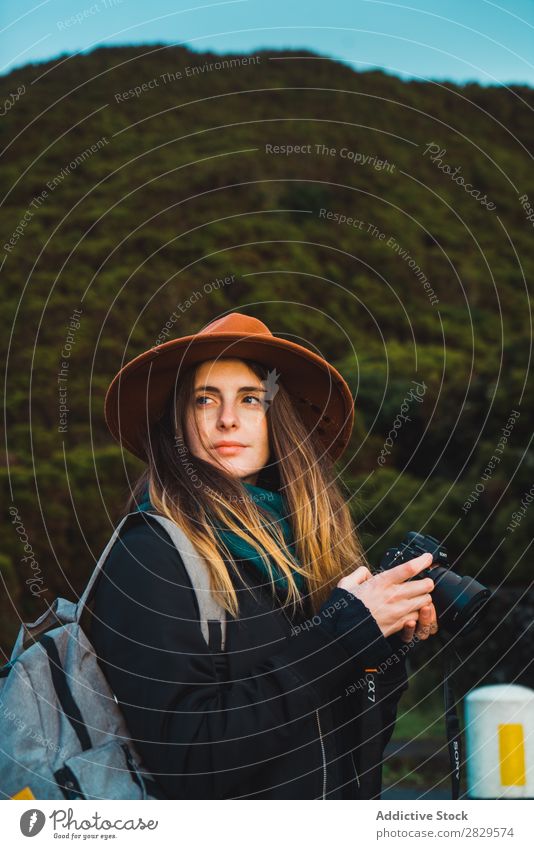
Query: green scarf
point(276, 504)
point(240, 549)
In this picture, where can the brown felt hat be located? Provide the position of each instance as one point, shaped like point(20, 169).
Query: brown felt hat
point(137, 395)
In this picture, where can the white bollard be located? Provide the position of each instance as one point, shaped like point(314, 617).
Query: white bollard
point(499, 734)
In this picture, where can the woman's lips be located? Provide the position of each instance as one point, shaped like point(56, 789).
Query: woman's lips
point(230, 450)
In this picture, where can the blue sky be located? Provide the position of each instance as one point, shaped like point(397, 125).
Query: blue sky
point(460, 40)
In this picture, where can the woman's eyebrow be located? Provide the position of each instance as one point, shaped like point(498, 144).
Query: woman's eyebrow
point(241, 389)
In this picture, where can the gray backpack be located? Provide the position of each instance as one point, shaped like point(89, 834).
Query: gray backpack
point(62, 733)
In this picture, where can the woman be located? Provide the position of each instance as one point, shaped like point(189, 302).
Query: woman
point(239, 430)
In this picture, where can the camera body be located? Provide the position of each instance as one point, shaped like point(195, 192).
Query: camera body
point(458, 600)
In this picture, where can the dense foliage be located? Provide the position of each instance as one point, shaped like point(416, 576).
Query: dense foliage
point(124, 204)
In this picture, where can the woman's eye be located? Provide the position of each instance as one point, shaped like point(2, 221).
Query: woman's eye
point(201, 398)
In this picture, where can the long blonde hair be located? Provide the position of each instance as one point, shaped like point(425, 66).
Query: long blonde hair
point(200, 496)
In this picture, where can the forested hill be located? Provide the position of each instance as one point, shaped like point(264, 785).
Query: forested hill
point(385, 222)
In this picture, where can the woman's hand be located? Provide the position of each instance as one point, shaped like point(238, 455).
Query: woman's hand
point(394, 601)
point(423, 627)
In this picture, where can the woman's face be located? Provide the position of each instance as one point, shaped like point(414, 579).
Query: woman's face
point(227, 404)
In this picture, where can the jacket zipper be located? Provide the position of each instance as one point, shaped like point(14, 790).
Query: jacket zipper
point(323, 753)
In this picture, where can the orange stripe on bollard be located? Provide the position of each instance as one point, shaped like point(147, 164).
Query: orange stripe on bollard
point(512, 755)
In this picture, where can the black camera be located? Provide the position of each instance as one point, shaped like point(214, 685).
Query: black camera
point(458, 601)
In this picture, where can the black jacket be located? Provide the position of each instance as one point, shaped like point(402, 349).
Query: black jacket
point(286, 723)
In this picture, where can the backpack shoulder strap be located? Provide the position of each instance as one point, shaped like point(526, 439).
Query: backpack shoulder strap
point(211, 613)
point(90, 586)
point(210, 610)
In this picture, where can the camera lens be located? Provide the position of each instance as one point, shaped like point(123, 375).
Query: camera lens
point(458, 600)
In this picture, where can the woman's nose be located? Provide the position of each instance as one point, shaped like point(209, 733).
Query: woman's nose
point(228, 415)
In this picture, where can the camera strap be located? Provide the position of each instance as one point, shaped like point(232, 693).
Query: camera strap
point(452, 725)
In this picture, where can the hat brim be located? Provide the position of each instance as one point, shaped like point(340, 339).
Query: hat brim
point(137, 395)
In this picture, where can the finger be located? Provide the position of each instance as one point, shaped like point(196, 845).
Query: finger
point(429, 617)
point(408, 631)
point(427, 623)
point(411, 589)
point(405, 571)
point(416, 603)
point(434, 627)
